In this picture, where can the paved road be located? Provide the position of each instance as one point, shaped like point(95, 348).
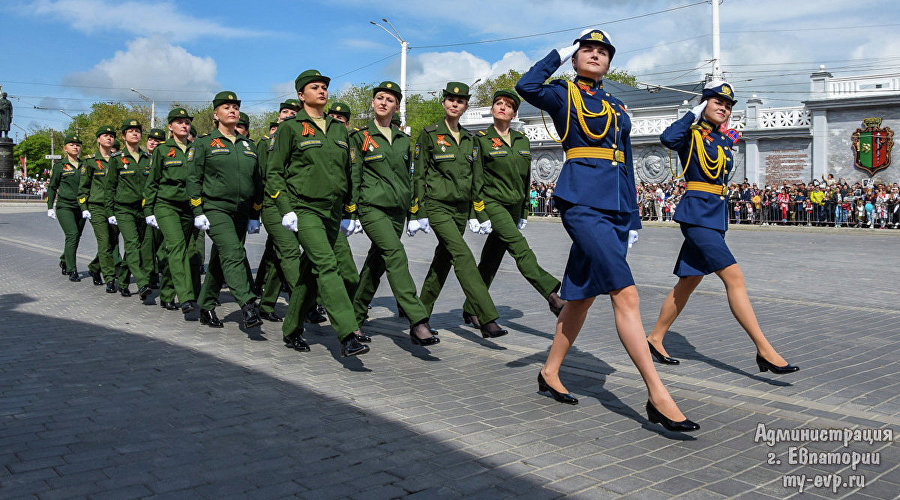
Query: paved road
point(103, 396)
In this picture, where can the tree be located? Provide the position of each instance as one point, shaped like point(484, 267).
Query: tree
point(101, 114)
point(33, 149)
point(421, 111)
point(359, 98)
point(484, 92)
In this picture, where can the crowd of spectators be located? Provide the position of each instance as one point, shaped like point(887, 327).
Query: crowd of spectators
point(542, 199)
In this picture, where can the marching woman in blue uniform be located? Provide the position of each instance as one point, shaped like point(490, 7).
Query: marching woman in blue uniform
point(595, 194)
point(705, 152)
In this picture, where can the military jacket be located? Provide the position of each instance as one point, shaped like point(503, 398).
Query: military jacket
point(93, 180)
point(606, 184)
point(223, 175)
point(310, 167)
point(506, 169)
point(126, 178)
point(63, 189)
point(445, 171)
point(701, 208)
point(168, 176)
point(381, 169)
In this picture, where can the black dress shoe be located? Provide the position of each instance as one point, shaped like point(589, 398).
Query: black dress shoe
point(274, 318)
point(764, 365)
point(111, 287)
point(62, 268)
point(164, 304)
point(210, 319)
point(188, 307)
point(556, 304)
point(297, 342)
point(566, 398)
point(658, 418)
point(471, 319)
point(350, 346)
point(169, 306)
point(250, 317)
point(95, 275)
point(124, 291)
point(314, 316)
point(420, 329)
point(144, 292)
point(73, 276)
point(492, 330)
point(432, 331)
point(662, 358)
point(362, 337)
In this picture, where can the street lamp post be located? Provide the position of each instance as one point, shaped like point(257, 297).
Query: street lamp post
point(77, 131)
point(404, 46)
point(152, 107)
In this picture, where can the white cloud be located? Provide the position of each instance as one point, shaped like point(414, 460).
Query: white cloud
point(432, 70)
point(158, 69)
point(138, 18)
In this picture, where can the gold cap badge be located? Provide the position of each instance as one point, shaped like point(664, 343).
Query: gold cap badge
point(597, 36)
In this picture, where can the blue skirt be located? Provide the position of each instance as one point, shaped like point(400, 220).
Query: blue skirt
point(703, 252)
point(597, 262)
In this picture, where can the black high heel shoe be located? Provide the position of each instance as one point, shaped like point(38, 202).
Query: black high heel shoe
point(765, 365)
point(471, 319)
point(567, 398)
point(491, 330)
point(662, 358)
point(422, 341)
point(656, 417)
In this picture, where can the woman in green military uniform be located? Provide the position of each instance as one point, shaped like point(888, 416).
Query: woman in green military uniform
point(63, 191)
point(308, 178)
point(225, 194)
point(382, 190)
point(153, 252)
point(505, 163)
point(124, 192)
point(446, 190)
point(92, 199)
point(167, 208)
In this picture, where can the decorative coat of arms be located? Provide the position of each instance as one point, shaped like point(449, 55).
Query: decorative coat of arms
point(872, 145)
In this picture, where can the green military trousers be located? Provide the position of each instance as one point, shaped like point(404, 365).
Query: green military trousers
point(107, 237)
point(227, 259)
point(130, 219)
point(176, 223)
point(506, 237)
point(346, 265)
point(449, 223)
point(72, 224)
point(285, 261)
point(387, 254)
point(319, 274)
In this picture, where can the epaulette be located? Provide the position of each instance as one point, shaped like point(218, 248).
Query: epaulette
point(117, 153)
point(430, 128)
point(359, 129)
point(481, 133)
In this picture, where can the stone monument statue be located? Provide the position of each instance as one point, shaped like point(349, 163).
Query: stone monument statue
point(6, 144)
point(6, 113)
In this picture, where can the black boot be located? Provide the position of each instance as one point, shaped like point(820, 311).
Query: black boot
point(350, 346)
point(210, 319)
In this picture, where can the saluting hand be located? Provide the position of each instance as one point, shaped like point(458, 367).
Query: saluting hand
point(698, 110)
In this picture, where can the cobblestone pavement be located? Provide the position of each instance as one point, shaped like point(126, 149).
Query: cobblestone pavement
point(104, 397)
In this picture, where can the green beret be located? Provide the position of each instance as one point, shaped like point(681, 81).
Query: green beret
point(388, 86)
point(289, 104)
point(116, 144)
point(131, 123)
point(340, 108)
point(105, 129)
point(309, 76)
point(158, 134)
point(225, 97)
point(243, 119)
point(273, 124)
point(193, 131)
point(73, 138)
point(457, 89)
point(510, 94)
point(178, 113)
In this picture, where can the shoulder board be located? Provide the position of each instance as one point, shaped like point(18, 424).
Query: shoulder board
point(201, 136)
point(430, 128)
point(356, 130)
point(117, 153)
point(481, 133)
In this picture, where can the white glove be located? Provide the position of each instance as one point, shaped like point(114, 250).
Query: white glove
point(289, 221)
point(201, 222)
point(112, 220)
point(86, 214)
point(347, 227)
point(474, 225)
point(150, 220)
point(252, 226)
point(698, 110)
point(567, 51)
point(522, 224)
point(485, 227)
point(632, 237)
point(412, 227)
point(424, 226)
point(51, 213)
point(358, 228)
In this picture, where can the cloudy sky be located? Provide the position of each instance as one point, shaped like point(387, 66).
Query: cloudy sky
point(67, 54)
